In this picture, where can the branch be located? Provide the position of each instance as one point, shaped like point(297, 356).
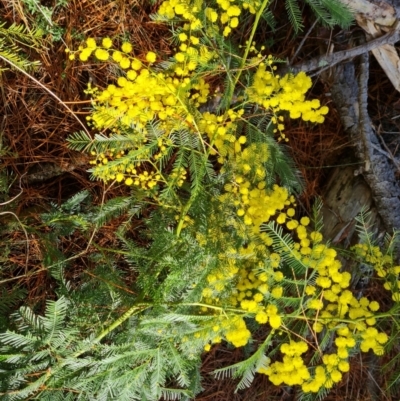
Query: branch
point(335, 58)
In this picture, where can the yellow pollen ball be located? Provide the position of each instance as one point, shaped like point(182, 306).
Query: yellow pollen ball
point(101, 54)
point(183, 37)
point(151, 57)
point(233, 11)
point(125, 63)
point(91, 43)
point(234, 22)
point(107, 43)
point(126, 47)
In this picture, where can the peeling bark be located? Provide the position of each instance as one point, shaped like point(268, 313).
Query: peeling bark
point(376, 17)
point(380, 11)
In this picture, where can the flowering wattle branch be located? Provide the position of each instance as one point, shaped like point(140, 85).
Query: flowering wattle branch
point(171, 147)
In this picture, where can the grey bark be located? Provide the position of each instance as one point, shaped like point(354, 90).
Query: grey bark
point(350, 96)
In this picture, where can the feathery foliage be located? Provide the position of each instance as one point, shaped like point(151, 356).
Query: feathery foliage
point(43, 17)
point(14, 42)
point(331, 12)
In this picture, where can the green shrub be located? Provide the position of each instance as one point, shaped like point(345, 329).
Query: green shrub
point(223, 253)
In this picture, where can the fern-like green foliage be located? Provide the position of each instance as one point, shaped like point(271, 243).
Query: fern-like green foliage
point(61, 356)
point(328, 12)
point(331, 12)
point(106, 347)
point(65, 219)
point(42, 16)
point(48, 359)
point(246, 370)
point(14, 40)
point(294, 14)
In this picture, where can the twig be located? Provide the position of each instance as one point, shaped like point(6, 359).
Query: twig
point(332, 59)
point(302, 42)
point(26, 275)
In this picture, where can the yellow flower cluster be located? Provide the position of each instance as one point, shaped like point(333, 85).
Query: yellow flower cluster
point(129, 173)
point(236, 284)
point(326, 375)
point(372, 339)
point(258, 282)
point(225, 16)
point(188, 10)
point(246, 192)
point(229, 16)
point(285, 93)
point(330, 295)
point(178, 176)
point(135, 102)
point(250, 290)
point(292, 371)
point(191, 56)
point(139, 97)
point(256, 204)
point(238, 334)
point(145, 180)
point(221, 128)
point(104, 52)
point(191, 52)
point(246, 294)
point(231, 328)
point(383, 266)
point(249, 278)
point(331, 302)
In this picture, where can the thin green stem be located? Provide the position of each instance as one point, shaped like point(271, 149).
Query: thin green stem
point(221, 309)
point(134, 310)
point(247, 49)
